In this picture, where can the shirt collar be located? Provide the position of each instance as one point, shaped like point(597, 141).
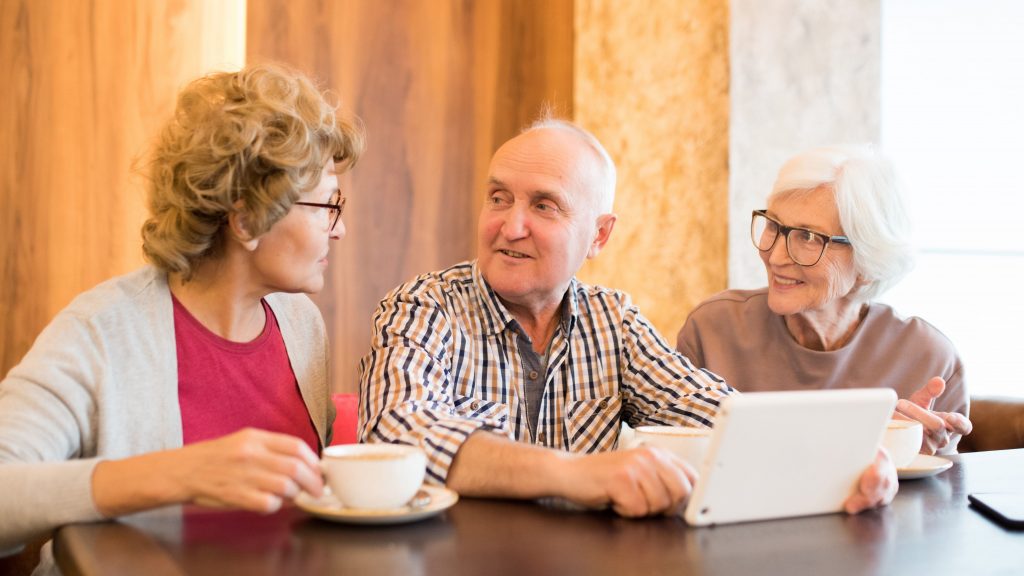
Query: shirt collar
point(494, 317)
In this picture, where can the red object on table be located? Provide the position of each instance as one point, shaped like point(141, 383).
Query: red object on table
point(347, 419)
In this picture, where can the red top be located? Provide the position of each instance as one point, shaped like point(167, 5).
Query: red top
point(224, 386)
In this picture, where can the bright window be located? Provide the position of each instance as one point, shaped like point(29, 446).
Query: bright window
point(953, 121)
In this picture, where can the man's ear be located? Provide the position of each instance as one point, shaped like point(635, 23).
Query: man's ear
point(238, 229)
point(605, 224)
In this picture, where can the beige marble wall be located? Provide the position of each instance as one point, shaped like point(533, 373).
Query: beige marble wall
point(804, 73)
point(652, 83)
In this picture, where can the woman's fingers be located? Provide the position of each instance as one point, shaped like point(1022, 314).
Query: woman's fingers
point(252, 469)
point(877, 486)
point(958, 423)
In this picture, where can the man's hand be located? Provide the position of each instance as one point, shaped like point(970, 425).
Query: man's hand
point(940, 428)
point(877, 486)
point(638, 482)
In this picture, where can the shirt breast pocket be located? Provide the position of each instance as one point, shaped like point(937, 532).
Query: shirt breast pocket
point(496, 414)
point(593, 423)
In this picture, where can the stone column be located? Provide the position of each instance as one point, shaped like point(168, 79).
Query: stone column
point(652, 83)
point(805, 73)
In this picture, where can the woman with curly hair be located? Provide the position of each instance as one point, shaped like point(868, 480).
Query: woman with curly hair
point(201, 378)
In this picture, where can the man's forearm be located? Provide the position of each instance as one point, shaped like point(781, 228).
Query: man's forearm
point(488, 465)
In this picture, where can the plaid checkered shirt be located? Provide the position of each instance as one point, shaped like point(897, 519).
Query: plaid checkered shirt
point(444, 363)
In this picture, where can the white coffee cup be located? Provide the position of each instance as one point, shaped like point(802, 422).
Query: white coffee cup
point(374, 475)
point(903, 441)
point(690, 444)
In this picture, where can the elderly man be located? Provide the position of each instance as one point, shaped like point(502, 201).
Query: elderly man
point(514, 377)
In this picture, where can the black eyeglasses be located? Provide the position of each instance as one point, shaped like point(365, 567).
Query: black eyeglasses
point(806, 247)
point(335, 208)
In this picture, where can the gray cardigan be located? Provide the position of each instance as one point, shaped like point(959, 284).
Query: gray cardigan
point(101, 382)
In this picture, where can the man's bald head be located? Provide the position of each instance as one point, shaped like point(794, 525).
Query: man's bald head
point(605, 173)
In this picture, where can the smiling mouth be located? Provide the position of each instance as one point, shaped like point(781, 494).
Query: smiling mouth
point(779, 280)
point(513, 254)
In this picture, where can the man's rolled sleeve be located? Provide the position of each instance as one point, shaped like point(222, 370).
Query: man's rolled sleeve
point(665, 388)
point(406, 392)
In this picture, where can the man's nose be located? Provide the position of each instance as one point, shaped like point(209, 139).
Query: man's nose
point(516, 224)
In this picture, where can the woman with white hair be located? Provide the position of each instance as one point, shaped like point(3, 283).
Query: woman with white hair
point(835, 235)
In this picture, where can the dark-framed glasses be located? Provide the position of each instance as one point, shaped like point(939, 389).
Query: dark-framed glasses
point(335, 208)
point(805, 247)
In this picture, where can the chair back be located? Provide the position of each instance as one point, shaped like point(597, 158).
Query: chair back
point(998, 425)
point(347, 420)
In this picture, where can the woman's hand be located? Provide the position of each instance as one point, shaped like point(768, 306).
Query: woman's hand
point(940, 428)
point(877, 485)
point(250, 469)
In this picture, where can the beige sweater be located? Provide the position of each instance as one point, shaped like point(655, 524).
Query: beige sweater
point(735, 335)
point(101, 382)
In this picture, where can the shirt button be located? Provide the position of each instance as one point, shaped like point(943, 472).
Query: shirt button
point(533, 374)
point(474, 404)
point(540, 437)
point(603, 404)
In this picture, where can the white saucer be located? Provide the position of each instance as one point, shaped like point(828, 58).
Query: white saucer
point(923, 466)
point(327, 507)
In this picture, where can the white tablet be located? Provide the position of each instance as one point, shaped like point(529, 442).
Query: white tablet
point(782, 454)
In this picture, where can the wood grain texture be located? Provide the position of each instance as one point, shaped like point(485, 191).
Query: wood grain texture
point(85, 86)
point(652, 83)
point(439, 85)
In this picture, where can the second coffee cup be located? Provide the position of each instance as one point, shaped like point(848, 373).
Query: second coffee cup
point(690, 444)
point(903, 441)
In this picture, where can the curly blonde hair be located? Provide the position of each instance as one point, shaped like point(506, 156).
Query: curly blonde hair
point(249, 141)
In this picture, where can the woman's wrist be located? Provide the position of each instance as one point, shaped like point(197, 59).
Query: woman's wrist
point(138, 483)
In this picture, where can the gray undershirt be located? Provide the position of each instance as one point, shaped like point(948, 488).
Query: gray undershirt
point(535, 368)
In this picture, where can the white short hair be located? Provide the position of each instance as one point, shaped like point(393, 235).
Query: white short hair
point(869, 199)
point(606, 191)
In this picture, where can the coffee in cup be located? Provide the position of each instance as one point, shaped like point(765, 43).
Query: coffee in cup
point(690, 444)
point(377, 476)
point(903, 441)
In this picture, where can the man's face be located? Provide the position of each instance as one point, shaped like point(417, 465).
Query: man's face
point(540, 219)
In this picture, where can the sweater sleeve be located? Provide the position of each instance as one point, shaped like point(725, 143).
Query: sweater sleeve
point(688, 341)
point(954, 399)
point(47, 414)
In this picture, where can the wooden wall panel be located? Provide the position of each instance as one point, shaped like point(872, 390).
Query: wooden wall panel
point(439, 85)
point(85, 86)
point(652, 82)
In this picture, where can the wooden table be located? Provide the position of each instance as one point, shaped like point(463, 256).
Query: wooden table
point(929, 529)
